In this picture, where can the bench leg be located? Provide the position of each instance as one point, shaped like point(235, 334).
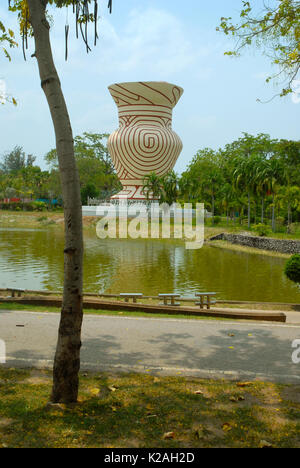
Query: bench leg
point(134, 299)
point(208, 302)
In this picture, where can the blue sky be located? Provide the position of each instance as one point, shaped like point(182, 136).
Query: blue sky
point(148, 40)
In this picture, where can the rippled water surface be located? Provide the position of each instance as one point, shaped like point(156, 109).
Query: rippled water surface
point(31, 259)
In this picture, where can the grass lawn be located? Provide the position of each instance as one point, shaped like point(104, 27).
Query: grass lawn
point(45, 219)
point(213, 230)
point(132, 410)
point(31, 308)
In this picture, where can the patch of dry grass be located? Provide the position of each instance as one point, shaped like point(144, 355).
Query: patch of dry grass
point(134, 410)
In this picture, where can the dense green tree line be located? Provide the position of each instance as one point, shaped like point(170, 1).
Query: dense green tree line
point(254, 178)
point(21, 178)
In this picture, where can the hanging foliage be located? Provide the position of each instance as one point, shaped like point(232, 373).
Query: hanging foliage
point(275, 29)
point(85, 12)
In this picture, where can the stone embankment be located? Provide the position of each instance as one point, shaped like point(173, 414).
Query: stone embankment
point(263, 243)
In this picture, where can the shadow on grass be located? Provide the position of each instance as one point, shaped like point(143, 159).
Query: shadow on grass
point(136, 414)
point(139, 411)
point(144, 407)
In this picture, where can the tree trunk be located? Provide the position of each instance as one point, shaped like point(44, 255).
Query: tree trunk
point(67, 357)
point(289, 214)
point(289, 218)
point(262, 210)
point(249, 211)
point(273, 215)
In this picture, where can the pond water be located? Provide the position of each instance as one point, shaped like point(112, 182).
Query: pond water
point(33, 259)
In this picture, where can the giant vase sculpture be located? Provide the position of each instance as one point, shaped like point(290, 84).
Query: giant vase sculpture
point(145, 141)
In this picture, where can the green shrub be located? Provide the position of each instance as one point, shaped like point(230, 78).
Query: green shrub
point(292, 268)
point(208, 221)
point(261, 229)
point(39, 206)
point(89, 191)
point(12, 206)
point(217, 219)
point(294, 228)
point(181, 202)
point(28, 206)
point(280, 221)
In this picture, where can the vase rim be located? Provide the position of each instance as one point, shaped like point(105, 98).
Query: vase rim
point(157, 92)
point(145, 82)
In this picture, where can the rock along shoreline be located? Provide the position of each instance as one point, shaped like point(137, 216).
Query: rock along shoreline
point(286, 246)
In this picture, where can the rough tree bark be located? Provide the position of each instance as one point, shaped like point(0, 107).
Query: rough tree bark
point(67, 357)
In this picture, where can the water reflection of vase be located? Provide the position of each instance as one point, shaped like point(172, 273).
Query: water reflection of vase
point(145, 141)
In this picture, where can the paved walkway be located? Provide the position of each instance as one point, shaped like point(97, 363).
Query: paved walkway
point(291, 317)
point(203, 348)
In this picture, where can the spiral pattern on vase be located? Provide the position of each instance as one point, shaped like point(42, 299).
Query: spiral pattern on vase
point(143, 148)
point(145, 141)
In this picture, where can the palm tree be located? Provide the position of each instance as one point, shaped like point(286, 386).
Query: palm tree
point(272, 176)
point(289, 199)
point(262, 186)
point(170, 188)
point(228, 195)
point(244, 176)
point(186, 187)
point(152, 186)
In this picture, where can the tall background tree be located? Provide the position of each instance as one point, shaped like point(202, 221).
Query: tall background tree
point(255, 175)
point(16, 160)
point(94, 164)
point(273, 27)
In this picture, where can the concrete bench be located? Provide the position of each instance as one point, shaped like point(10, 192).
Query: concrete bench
point(133, 296)
point(170, 297)
point(14, 291)
point(206, 299)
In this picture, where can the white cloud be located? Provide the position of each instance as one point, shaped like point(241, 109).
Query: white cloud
point(147, 43)
point(153, 42)
point(156, 41)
